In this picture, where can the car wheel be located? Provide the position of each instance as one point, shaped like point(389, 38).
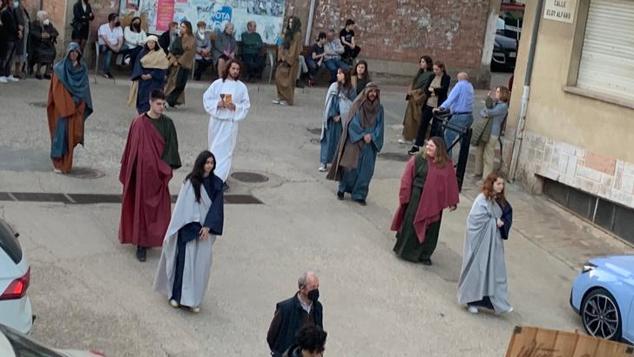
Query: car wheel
point(600, 315)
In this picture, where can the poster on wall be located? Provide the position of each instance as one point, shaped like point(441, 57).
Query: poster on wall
point(268, 14)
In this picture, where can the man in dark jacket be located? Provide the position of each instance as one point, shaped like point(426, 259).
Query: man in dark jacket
point(166, 38)
point(294, 313)
point(10, 35)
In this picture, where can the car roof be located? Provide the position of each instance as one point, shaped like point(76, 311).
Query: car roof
point(6, 349)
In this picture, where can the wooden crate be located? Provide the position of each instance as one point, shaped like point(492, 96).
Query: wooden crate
point(539, 342)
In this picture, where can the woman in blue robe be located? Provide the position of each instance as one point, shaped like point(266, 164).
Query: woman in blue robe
point(361, 141)
point(197, 219)
point(338, 101)
point(148, 73)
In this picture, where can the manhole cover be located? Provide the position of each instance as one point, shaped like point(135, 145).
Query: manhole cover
point(249, 177)
point(85, 173)
point(39, 104)
point(315, 131)
point(393, 156)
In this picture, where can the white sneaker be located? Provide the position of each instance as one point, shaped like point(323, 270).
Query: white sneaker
point(403, 141)
point(323, 168)
point(4, 79)
point(473, 309)
point(174, 303)
point(276, 101)
point(195, 309)
point(11, 78)
point(283, 102)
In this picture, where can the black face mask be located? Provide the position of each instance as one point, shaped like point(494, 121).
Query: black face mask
point(313, 295)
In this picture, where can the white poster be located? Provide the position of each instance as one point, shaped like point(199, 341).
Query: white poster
point(560, 10)
point(268, 14)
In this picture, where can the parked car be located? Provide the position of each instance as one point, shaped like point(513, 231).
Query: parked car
point(15, 276)
point(504, 53)
point(603, 295)
point(15, 344)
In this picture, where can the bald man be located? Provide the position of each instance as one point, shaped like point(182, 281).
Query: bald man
point(460, 104)
point(294, 313)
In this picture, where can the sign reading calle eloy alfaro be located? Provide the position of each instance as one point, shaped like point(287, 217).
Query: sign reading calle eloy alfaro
point(560, 10)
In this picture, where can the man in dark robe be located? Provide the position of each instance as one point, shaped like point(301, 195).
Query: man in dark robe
point(150, 155)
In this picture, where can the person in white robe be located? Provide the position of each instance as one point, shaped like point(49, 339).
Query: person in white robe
point(198, 217)
point(227, 102)
point(483, 282)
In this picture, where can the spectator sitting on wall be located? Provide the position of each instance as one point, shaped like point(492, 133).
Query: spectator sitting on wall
point(134, 40)
point(315, 58)
point(203, 50)
point(43, 37)
point(252, 55)
point(167, 37)
point(224, 48)
point(333, 50)
point(110, 41)
point(351, 50)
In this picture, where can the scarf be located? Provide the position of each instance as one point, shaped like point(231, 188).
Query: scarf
point(75, 78)
point(150, 60)
point(421, 78)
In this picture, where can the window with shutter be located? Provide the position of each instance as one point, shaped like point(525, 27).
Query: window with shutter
point(607, 57)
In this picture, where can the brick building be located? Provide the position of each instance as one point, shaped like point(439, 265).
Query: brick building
point(393, 34)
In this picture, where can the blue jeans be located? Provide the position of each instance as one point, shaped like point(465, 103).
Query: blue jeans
point(333, 65)
point(463, 121)
point(106, 62)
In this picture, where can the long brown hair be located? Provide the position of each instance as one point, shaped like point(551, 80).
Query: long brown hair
point(489, 192)
point(441, 158)
point(225, 73)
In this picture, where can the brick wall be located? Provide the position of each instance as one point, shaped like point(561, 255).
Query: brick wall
point(402, 30)
point(576, 167)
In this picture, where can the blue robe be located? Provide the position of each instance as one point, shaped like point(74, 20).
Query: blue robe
point(332, 132)
point(146, 86)
point(357, 181)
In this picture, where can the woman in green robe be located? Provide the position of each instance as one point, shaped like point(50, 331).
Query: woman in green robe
point(428, 186)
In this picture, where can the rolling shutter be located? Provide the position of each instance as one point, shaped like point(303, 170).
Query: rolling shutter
point(607, 58)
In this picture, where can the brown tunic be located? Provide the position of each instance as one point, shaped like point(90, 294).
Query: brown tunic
point(287, 67)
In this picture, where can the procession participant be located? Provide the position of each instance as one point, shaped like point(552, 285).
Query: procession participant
point(148, 74)
point(288, 62)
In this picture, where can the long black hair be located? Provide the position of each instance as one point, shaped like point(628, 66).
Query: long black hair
point(198, 172)
point(289, 32)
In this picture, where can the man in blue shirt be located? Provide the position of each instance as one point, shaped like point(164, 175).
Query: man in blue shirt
point(460, 104)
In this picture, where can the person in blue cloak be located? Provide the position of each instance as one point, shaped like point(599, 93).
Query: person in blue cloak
point(360, 142)
point(148, 73)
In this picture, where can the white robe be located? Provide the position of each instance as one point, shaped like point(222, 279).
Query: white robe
point(198, 253)
point(223, 123)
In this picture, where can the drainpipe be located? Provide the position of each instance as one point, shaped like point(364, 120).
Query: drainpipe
point(309, 25)
point(521, 123)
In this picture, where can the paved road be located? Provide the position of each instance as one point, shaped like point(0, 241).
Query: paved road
point(89, 291)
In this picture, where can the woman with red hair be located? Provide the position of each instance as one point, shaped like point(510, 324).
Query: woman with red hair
point(483, 280)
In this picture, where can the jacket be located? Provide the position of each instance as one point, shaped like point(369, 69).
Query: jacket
point(287, 321)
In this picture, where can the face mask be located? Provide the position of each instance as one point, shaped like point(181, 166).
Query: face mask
point(313, 295)
point(47, 22)
point(137, 25)
point(16, 4)
point(117, 24)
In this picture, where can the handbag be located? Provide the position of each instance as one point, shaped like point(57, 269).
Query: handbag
point(481, 130)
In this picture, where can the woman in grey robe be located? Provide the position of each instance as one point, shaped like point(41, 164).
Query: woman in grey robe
point(198, 217)
point(483, 281)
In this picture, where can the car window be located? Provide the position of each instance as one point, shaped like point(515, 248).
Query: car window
point(9, 243)
point(24, 346)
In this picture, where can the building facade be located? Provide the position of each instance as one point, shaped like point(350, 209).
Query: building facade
point(575, 142)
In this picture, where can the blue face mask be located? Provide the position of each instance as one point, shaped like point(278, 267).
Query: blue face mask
point(16, 4)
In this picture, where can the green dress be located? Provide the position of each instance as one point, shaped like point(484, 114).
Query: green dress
point(407, 245)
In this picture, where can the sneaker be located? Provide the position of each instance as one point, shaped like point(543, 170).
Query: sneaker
point(12, 79)
point(506, 312)
point(413, 150)
point(276, 101)
point(322, 168)
point(174, 303)
point(403, 141)
point(195, 309)
point(4, 79)
point(283, 102)
point(473, 309)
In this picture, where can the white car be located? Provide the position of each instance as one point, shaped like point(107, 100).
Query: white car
point(15, 276)
point(15, 344)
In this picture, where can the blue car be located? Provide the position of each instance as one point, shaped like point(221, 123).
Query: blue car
point(603, 295)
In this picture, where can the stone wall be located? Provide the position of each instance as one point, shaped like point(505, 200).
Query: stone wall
point(574, 166)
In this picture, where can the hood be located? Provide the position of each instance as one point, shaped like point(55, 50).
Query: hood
point(505, 42)
point(619, 264)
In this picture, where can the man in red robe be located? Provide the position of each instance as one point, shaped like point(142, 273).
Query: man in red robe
point(151, 153)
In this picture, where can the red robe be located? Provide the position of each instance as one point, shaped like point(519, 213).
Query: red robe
point(440, 191)
point(146, 207)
